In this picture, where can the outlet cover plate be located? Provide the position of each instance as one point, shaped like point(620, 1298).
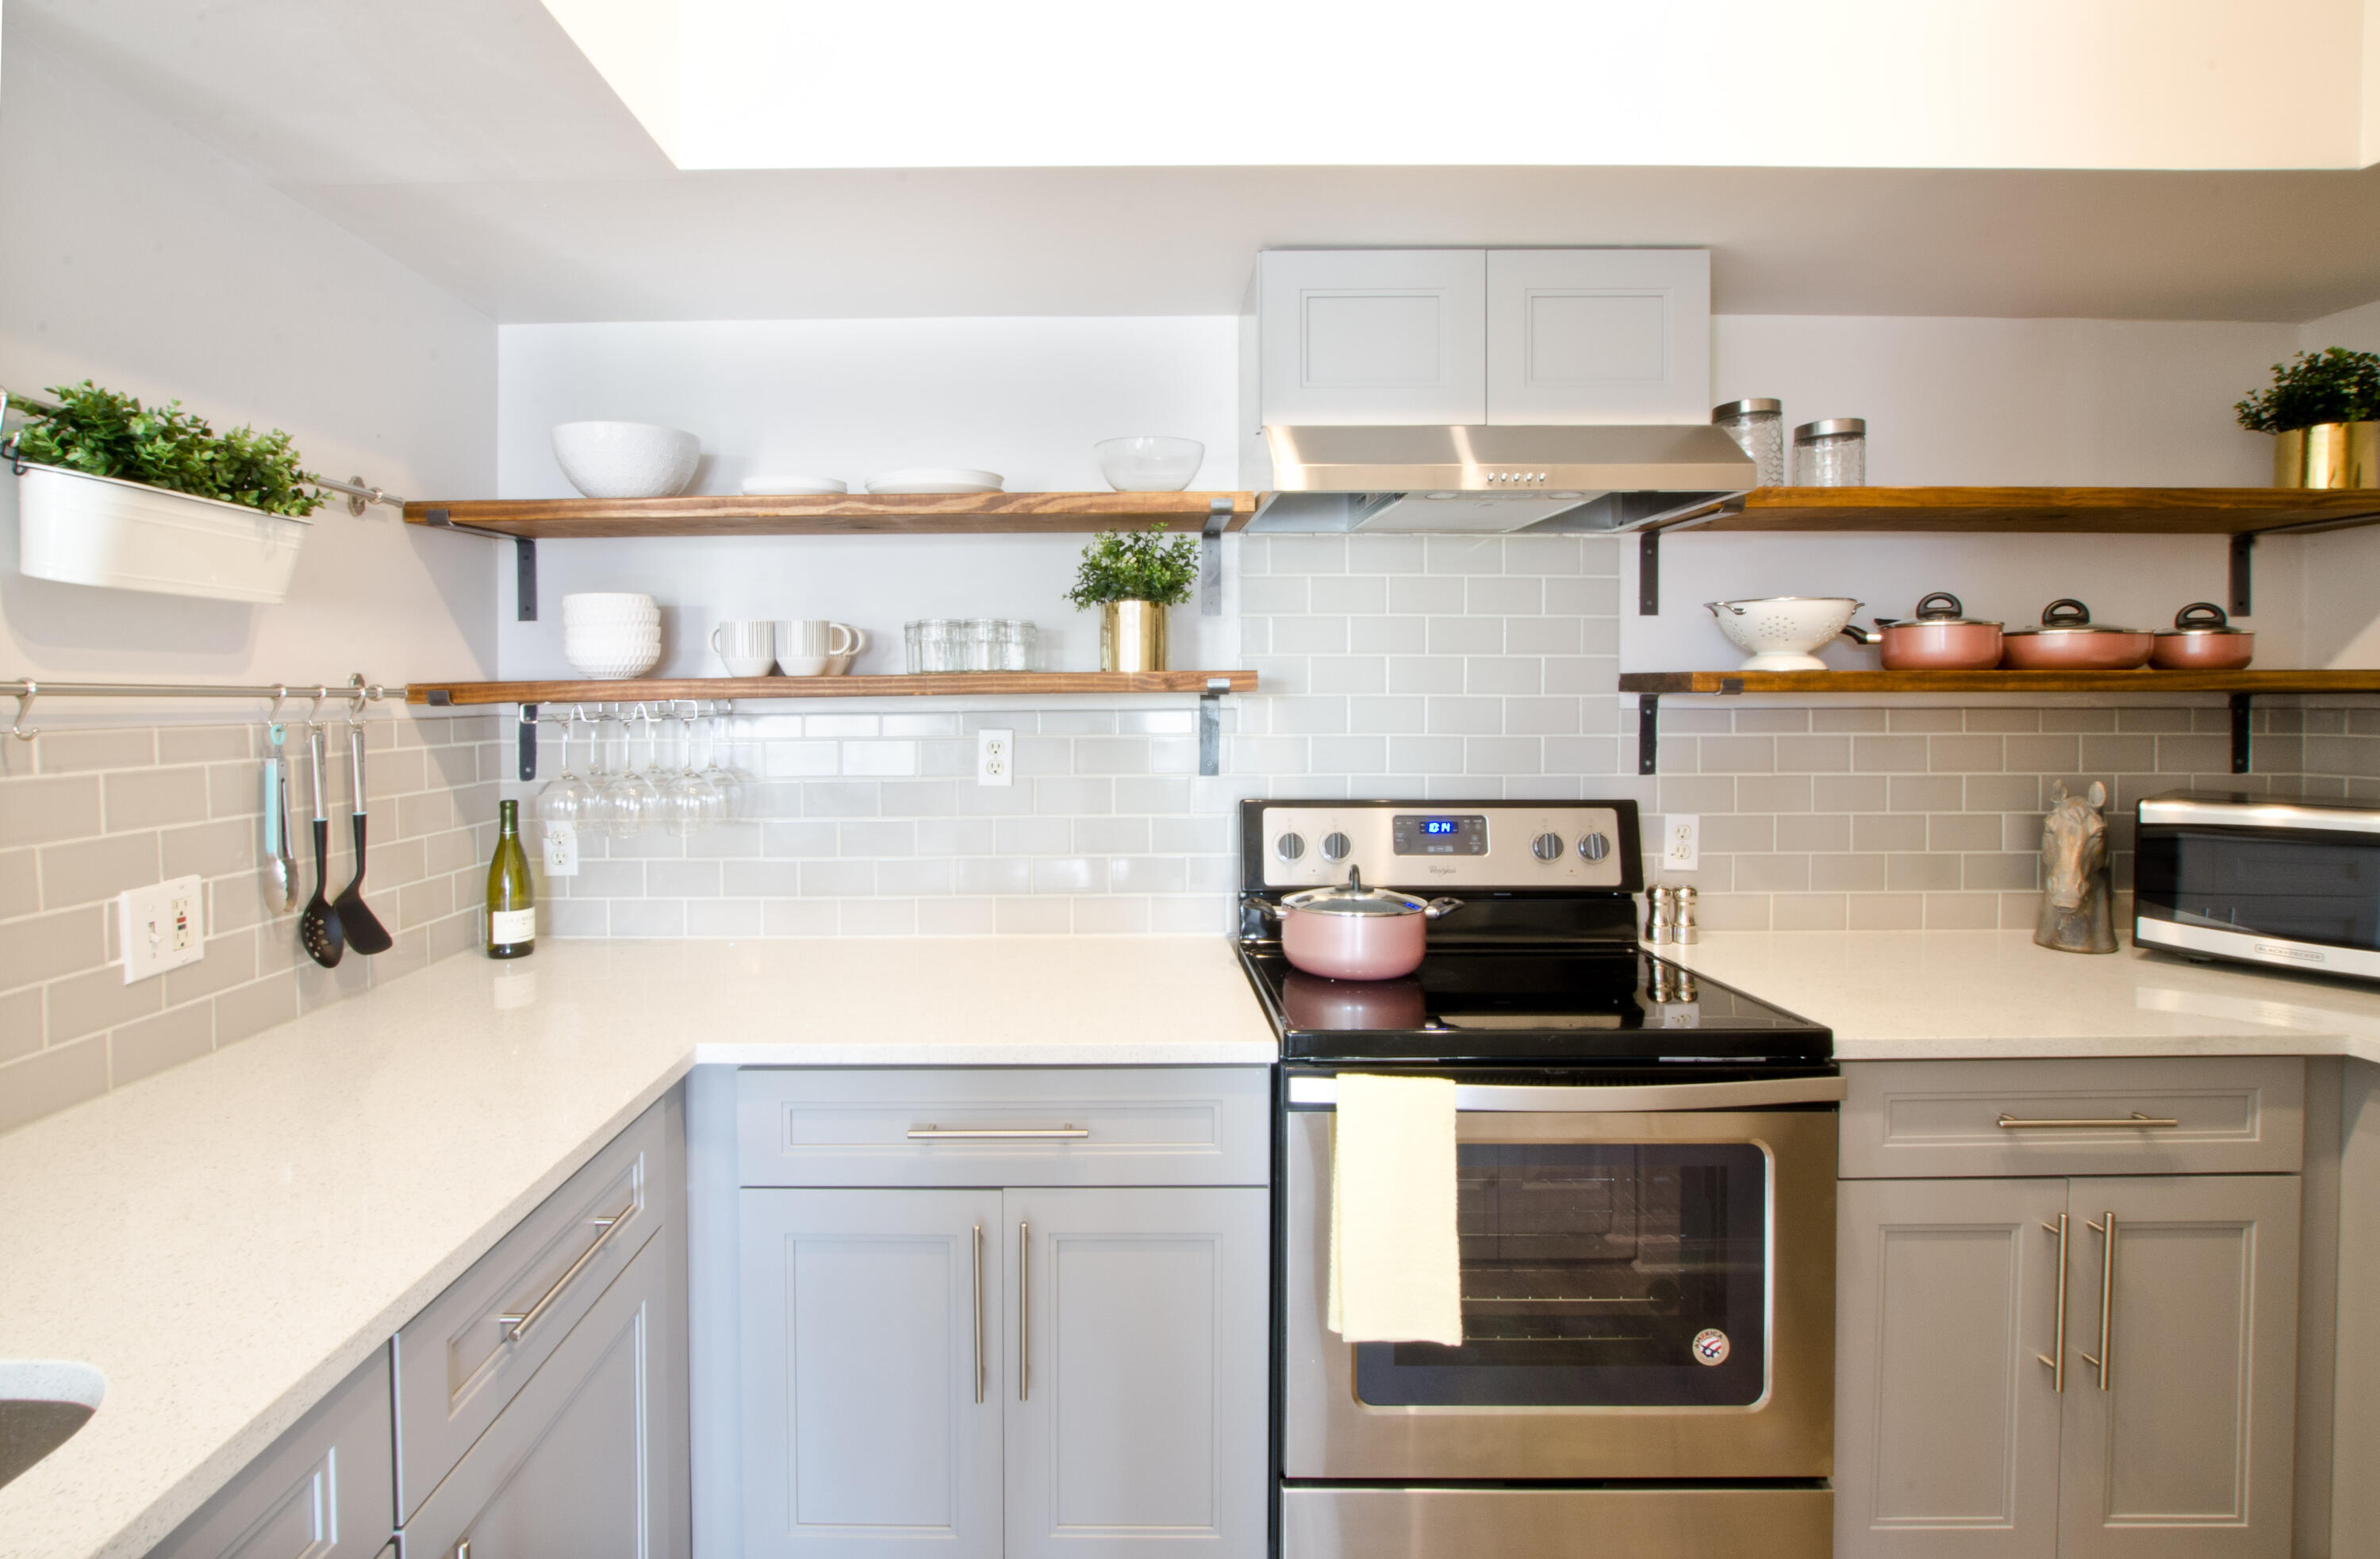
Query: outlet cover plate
point(1681, 842)
point(162, 927)
point(995, 758)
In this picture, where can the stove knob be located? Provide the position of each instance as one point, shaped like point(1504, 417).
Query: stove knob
point(1594, 847)
point(1336, 846)
point(1289, 847)
point(1546, 846)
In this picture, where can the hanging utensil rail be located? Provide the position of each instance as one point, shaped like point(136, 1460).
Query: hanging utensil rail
point(356, 692)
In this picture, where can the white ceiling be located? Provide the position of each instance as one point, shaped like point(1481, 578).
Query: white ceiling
point(471, 139)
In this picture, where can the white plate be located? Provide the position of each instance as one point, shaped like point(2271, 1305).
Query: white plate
point(935, 479)
point(792, 486)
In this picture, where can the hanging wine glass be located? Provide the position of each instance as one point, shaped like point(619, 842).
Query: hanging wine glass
point(565, 806)
point(690, 798)
point(727, 782)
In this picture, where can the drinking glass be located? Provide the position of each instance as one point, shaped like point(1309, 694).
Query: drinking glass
point(628, 796)
point(566, 802)
point(726, 780)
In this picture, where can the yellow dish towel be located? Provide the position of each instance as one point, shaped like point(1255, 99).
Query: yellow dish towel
point(1395, 1271)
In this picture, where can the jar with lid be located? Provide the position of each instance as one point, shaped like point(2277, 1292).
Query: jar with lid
point(1758, 425)
point(1832, 453)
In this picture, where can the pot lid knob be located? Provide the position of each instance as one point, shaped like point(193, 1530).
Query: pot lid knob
point(1949, 608)
point(2065, 612)
point(2202, 614)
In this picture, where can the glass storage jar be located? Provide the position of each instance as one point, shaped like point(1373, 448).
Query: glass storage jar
point(1832, 452)
point(1758, 425)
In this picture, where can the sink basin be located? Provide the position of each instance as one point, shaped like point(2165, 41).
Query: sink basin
point(42, 1401)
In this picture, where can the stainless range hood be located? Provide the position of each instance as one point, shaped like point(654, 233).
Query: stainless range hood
point(1485, 480)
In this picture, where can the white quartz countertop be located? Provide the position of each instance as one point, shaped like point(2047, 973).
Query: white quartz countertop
point(1941, 996)
point(226, 1240)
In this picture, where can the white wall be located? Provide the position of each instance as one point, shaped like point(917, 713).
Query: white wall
point(137, 257)
point(2342, 610)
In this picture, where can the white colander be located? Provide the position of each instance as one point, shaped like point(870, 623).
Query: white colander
point(1780, 631)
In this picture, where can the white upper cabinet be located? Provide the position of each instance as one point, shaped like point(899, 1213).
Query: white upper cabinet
point(1372, 335)
point(1598, 336)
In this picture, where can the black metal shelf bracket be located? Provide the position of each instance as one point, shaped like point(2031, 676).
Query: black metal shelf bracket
point(524, 559)
point(2242, 737)
point(1648, 575)
point(528, 741)
point(1648, 732)
point(2244, 576)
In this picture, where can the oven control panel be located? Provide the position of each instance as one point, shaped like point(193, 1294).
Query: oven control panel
point(1524, 845)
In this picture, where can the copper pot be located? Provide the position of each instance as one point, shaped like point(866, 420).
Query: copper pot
point(2202, 639)
point(1941, 637)
point(1354, 932)
point(2069, 640)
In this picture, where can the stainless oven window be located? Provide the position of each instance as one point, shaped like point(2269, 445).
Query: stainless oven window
point(2303, 887)
point(1597, 1275)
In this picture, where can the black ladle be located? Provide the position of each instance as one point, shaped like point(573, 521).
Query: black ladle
point(365, 934)
point(318, 925)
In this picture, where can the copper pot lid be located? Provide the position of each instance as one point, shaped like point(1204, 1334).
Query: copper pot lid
point(2200, 619)
point(2067, 616)
point(1351, 897)
point(1940, 610)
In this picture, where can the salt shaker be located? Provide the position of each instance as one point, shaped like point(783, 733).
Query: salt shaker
point(1758, 425)
point(1682, 927)
point(1660, 915)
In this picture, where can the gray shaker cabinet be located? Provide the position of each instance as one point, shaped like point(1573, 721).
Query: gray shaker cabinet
point(323, 1491)
point(1952, 1438)
point(1136, 1382)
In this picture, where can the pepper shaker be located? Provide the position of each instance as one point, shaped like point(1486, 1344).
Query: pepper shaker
point(1660, 915)
point(1684, 929)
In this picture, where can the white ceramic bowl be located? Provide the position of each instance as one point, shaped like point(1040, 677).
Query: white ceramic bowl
point(612, 665)
point(624, 638)
point(610, 620)
point(1150, 464)
point(599, 602)
point(626, 459)
point(935, 479)
point(1780, 631)
point(793, 486)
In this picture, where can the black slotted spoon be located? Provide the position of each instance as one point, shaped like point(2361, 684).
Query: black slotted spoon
point(364, 931)
point(318, 926)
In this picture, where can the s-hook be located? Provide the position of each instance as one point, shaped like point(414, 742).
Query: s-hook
point(27, 692)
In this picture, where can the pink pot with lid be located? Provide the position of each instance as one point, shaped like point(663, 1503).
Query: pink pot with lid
point(1941, 637)
point(2202, 639)
point(1354, 932)
point(2069, 640)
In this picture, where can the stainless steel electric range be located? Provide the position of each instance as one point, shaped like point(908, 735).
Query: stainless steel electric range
point(1645, 1211)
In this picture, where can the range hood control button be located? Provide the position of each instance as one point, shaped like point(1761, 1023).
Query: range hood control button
point(1289, 847)
point(1336, 846)
point(1594, 847)
point(1546, 846)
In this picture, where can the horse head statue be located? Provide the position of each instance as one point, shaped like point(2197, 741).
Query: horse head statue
point(2075, 903)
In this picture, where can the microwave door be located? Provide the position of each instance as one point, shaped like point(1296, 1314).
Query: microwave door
point(2317, 888)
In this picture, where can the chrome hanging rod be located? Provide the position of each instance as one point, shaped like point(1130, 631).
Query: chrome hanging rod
point(356, 692)
point(358, 492)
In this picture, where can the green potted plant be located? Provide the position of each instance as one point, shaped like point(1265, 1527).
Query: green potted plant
point(152, 498)
point(2323, 412)
point(1132, 577)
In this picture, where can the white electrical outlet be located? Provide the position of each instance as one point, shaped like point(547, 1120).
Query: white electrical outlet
point(995, 758)
point(162, 927)
point(1681, 842)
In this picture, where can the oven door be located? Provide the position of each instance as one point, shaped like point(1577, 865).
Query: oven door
point(1647, 1292)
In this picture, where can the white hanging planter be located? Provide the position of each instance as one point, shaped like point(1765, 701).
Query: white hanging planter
point(87, 529)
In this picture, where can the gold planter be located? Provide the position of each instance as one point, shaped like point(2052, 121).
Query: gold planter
point(1132, 635)
point(2327, 454)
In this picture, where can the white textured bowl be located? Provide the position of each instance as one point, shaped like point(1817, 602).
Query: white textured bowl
point(599, 602)
point(610, 639)
point(626, 459)
point(1780, 631)
point(1150, 464)
point(612, 665)
point(935, 479)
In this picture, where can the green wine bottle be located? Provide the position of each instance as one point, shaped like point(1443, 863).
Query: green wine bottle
point(511, 902)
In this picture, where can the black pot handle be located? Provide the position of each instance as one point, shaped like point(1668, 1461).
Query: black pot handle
point(2202, 614)
point(2065, 612)
point(1956, 610)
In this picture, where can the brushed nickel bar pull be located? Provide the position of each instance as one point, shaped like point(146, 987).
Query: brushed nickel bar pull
point(931, 1133)
point(2106, 1362)
point(463, 1549)
point(1024, 1309)
point(517, 1323)
point(2137, 1119)
point(2056, 1358)
point(978, 1315)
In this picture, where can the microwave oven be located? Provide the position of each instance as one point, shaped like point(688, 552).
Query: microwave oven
point(2264, 879)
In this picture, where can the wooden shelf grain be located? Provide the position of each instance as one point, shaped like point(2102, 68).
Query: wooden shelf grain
point(917, 514)
point(2143, 681)
point(2213, 511)
point(942, 685)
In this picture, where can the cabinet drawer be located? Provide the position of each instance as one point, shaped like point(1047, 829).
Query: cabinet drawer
point(321, 1490)
point(461, 1359)
point(2229, 1115)
point(1155, 1125)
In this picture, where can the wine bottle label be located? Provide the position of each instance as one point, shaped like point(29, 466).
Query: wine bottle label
point(509, 928)
point(562, 850)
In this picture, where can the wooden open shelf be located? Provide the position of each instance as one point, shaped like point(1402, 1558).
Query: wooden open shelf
point(856, 514)
point(1004, 683)
point(2206, 511)
point(2143, 681)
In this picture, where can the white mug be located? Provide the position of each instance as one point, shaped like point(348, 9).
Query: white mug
point(746, 649)
point(811, 645)
point(840, 666)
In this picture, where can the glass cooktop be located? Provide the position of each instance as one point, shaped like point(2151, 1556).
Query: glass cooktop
point(1558, 1005)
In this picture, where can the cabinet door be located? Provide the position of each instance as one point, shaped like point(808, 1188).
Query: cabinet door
point(2186, 1452)
point(588, 1458)
point(1946, 1422)
point(871, 1325)
point(1137, 1381)
point(1598, 336)
point(1374, 335)
point(324, 1489)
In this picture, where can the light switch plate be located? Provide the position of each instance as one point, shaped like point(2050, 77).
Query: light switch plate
point(162, 927)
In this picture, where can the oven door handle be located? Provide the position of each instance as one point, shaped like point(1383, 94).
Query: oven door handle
point(1753, 1093)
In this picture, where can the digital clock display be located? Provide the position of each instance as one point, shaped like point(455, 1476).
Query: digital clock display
point(1438, 825)
point(1421, 835)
